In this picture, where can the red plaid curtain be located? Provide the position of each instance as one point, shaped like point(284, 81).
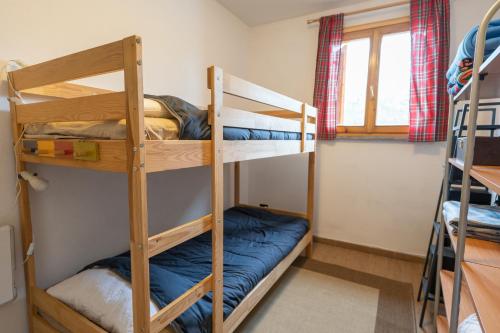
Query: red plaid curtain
point(430, 32)
point(327, 73)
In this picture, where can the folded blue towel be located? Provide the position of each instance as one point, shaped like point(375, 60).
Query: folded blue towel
point(468, 44)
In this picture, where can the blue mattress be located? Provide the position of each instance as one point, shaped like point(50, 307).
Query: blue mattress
point(255, 241)
point(193, 123)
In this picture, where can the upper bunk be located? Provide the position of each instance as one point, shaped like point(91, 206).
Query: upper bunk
point(64, 101)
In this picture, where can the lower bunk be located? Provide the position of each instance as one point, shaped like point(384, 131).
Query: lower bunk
point(259, 246)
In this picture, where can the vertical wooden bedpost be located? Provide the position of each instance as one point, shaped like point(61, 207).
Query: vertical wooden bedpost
point(236, 183)
point(138, 210)
point(215, 79)
point(24, 208)
point(310, 197)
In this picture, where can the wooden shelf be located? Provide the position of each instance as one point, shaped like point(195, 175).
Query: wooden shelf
point(489, 176)
point(484, 287)
point(466, 303)
point(478, 251)
point(490, 66)
point(442, 325)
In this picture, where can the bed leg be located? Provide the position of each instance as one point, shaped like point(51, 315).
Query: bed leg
point(310, 199)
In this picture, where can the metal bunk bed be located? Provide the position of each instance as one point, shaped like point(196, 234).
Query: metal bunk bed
point(474, 286)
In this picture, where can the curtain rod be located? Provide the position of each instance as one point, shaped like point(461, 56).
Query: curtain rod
point(370, 9)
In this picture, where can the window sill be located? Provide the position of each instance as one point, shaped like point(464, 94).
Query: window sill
point(373, 136)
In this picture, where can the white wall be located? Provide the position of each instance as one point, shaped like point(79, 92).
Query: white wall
point(375, 193)
point(180, 40)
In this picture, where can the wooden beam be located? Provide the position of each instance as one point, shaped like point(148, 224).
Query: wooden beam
point(137, 191)
point(254, 149)
point(253, 298)
point(24, 207)
point(170, 238)
point(215, 85)
point(311, 111)
point(244, 119)
point(99, 60)
point(241, 88)
point(61, 313)
point(162, 155)
point(303, 134)
point(98, 107)
point(65, 90)
point(277, 211)
point(168, 314)
point(311, 170)
point(282, 114)
point(112, 157)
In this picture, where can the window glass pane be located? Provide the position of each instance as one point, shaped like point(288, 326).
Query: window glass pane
point(394, 80)
point(355, 56)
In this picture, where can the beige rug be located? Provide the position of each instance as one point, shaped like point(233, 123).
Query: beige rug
point(314, 297)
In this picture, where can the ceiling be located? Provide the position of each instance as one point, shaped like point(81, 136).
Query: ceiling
point(256, 12)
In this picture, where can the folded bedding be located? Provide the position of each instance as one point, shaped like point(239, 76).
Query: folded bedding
point(255, 241)
point(460, 70)
point(166, 118)
point(483, 222)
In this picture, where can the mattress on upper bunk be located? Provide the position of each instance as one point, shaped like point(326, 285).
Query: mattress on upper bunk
point(166, 118)
point(255, 241)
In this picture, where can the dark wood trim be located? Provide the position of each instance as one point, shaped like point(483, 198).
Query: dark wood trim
point(371, 250)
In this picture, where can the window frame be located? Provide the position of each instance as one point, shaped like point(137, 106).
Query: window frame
point(375, 32)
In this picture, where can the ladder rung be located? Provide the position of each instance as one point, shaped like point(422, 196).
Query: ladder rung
point(172, 237)
point(173, 310)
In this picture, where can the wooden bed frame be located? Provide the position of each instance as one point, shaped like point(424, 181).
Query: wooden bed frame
point(137, 157)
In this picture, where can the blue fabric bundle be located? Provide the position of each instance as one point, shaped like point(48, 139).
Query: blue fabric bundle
point(466, 50)
point(193, 124)
point(255, 241)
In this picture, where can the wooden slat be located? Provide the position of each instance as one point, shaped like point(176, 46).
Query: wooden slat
point(282, 114)
point(137, 185)
point(249, 302)
point(40, 325)
point(477, 250)
point(215, 85)
point(112, 157)
point(162, 155)
point(489, 176)
point(99, 107)
point(241, 88)
point(99, 60)
point(484, 287)
point(277, 211)
point(65, 90)
point(175, 236)
point(311, 111)
point(64, 315)
point(244, 119)
point(166, 315)
point(254, 149)
point(466, 304)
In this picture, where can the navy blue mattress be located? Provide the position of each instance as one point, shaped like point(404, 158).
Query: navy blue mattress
point(255, 241)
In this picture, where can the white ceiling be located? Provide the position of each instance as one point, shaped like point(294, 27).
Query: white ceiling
point(255, 12)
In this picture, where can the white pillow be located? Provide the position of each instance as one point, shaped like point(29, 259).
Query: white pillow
point(154, 109)
point(101, 296)
point(470, 325)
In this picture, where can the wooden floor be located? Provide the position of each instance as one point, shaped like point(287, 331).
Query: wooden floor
point(399, 270)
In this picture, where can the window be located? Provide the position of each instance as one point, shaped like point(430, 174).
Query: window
point(374, 90)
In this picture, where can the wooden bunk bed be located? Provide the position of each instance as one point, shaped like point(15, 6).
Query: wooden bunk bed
point(137, 157)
